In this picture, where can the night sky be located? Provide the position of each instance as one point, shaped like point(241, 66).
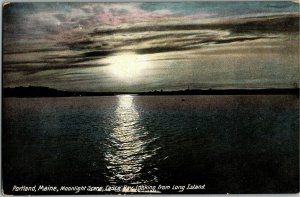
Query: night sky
point(151, 46)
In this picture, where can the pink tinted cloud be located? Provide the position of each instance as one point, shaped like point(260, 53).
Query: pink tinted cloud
point(75, 24)
point(132, 15)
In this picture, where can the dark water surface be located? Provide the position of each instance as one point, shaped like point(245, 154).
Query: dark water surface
point(232, 144)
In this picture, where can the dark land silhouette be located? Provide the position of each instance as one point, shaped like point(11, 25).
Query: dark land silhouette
point(226, 92)
point(36, 91)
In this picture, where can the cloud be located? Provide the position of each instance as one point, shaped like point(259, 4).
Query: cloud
point(43, 22)
point(54, 42)
point(86, 48)
point(182, 36)
point(35, 67)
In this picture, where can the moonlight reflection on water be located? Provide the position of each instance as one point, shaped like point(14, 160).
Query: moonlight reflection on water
point(126, 153)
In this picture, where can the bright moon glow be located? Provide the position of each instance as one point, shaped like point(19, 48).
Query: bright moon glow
point(127, 66)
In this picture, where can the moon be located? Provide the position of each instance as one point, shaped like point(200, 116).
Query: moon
point(127, 67)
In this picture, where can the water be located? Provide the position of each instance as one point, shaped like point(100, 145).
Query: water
point(232, 144)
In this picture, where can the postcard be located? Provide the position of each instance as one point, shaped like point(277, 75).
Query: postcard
point(191, 97)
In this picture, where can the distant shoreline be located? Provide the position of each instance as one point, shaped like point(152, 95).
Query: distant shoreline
point(50, 92)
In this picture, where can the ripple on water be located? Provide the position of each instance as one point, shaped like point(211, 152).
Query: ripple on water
point(127, 146)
